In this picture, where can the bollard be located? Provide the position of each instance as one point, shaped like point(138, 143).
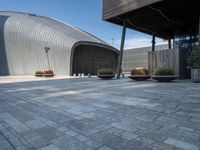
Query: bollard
point(89, 76)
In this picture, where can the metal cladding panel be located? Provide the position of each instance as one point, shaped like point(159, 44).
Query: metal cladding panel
point(26, 35)
point(25, 50)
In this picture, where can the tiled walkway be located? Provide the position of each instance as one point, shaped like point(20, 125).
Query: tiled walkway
point(84, 114)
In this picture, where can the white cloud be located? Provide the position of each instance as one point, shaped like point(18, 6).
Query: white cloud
point(137, 42)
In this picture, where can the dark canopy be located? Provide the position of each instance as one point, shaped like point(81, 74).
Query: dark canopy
point(165, 18)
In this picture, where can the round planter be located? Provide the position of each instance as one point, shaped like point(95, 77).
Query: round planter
point(139, 77)
point(195, 75)
point(164, 78)
point(39, 75)
point(48, 75)
point(106, 77)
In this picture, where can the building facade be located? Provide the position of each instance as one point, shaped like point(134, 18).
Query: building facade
point(23, 38)
point(170, 20)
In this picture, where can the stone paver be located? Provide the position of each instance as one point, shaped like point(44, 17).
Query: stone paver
point(180, 144)
point(50, 147)
point(4, 143)
point(87, 114)
point(34, 124)
point(105, 148)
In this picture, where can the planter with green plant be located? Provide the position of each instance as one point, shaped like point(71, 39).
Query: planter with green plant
point(39, 73)
point(165, 74)
point(195, 58)
point(139, 74)
point(106, 73)
point(48, 73)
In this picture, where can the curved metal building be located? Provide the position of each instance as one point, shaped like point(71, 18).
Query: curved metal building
point(23, 38)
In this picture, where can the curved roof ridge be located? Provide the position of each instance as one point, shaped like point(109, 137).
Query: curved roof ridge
point(24, 13)
point(54, 19)
point(53, 22)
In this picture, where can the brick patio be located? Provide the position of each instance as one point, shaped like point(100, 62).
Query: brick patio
point(86, 114)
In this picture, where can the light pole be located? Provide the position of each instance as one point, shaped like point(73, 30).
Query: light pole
point(47, 49)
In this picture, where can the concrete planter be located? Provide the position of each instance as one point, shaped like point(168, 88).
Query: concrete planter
point(48, 75)
point(106, 77)
point(139, 77)
point(166, 78)
point(195, 75)
point(39, 75)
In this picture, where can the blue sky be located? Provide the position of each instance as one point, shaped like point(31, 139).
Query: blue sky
point(84, 14)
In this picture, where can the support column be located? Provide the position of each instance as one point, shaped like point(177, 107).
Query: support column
point(169, 44)
point(153, 54)
point(153, 42)
point(121, 50)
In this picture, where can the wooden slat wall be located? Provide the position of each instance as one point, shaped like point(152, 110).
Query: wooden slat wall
point(164, 58)
point(138, 57)
point(112, 8)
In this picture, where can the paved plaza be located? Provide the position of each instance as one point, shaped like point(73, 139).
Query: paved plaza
point(87, 114)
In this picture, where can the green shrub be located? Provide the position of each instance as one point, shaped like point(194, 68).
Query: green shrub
point(105, 71)
point(39, 72)
point(142, 71)
point(165, 71)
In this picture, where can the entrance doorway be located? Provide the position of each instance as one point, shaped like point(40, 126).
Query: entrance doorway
point(89, 59)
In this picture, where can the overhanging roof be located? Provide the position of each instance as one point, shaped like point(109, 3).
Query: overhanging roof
point(164, 17)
